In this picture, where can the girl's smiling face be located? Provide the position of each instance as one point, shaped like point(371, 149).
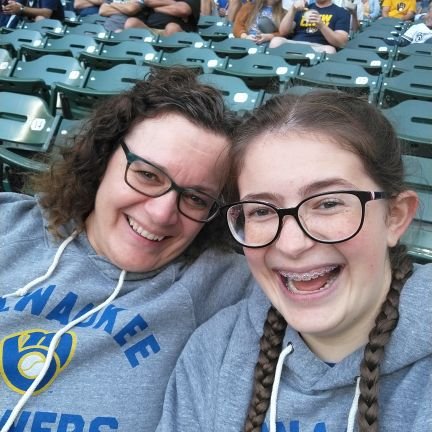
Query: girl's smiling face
point(330, 293)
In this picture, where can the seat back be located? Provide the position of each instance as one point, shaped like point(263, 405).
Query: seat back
point(180, 40)
point(415, 84)
point(203, 59)
point(412, 120)
point(12, 41)
point(261, 71)
point(45, 25)
point(296, 53)
point(236, 47)
point(371, 62)
point(5, 62)
point(26, 122)
point(349, 77)
point(216, 32)
point(411, 63)
point(237, 96)
point(133, 34)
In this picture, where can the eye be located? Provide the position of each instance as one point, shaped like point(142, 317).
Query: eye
point(196, 200)
point(257, 211)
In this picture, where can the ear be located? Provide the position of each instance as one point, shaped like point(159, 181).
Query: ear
point(401, 212)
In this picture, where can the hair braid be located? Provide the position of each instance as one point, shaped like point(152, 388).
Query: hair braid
point(385, 323)
point(270, 348)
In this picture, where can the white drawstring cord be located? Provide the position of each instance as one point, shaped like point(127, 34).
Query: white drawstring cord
point(354, 406)
point(273, 399)
point(52, 347)
point(23, 291)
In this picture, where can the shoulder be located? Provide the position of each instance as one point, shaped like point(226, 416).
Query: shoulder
point(21, 217)
point(231, 328)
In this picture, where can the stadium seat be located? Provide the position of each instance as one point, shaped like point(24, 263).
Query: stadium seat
point(296, 53)
point(411, 63)
point(77, 103)
point(205, 21)
point(92, 19)
point(132, 34)
point(349, 77)
point(45, 25)
point(130, 51)
point(412, 120)
point(70, 45)
point(94, 30)
point(377, 45)
point(12, 41)
point(27, 123)
point(216, 32)
point(408, 85)
point(37, 77)
point(413, 49)
point(180, 40)
point(261, 71)
point(236, 47)
point(203, 59)
point(237, 95)
point(371, 62)
point(5, 62)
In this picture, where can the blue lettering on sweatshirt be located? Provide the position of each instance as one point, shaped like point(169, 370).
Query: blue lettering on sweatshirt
point(294, 426)
point(42, 421)
point(36, 302)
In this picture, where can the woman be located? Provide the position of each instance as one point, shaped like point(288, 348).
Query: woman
point(339, 337)
point(258, 20)
point(110, 270)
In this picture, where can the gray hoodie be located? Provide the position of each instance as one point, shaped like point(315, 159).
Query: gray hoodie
point(109, 372)
point(212, 383)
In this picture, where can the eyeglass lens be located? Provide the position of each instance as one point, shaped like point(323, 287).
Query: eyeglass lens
point(328, 218)
point(153, 182)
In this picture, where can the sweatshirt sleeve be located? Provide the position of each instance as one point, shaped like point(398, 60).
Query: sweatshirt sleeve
point(187, 405)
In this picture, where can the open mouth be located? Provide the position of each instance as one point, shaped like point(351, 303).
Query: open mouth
point(142, 232)
point(311, 282)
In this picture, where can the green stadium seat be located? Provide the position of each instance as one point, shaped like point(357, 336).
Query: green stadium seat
point(13, 40)
point(236, 47)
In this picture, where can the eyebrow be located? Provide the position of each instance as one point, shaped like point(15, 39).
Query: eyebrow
point(326, 185)
point(197, 188)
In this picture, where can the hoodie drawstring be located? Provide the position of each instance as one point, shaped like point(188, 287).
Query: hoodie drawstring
point(23, 291)
point(52, 346)
point(273, 399)
point(354, 407)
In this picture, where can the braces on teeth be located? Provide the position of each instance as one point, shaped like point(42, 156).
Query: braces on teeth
point(308, 276)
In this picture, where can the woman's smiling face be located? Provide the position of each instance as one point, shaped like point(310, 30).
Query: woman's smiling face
point(139, 233)
point(327, 292)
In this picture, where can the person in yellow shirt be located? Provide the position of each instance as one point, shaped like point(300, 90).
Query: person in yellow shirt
point(400, 9)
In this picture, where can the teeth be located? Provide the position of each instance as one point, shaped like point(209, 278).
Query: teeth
point(309, 275)
point(142, 232)
point(292, 288)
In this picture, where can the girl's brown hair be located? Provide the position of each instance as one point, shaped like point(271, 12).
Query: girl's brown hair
point(362, 129)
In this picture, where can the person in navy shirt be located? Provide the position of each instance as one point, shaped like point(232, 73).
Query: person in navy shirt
point(35, 10)
point(322, 24)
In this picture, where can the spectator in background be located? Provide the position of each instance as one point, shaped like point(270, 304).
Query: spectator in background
point(371, 10)
point(87, 7)
point(166, 16)
point(259, 21)
point(420, 32)
point(6, 19)
point(403, 10)
point(35, 10)
point(117, 12)
point(323, 25)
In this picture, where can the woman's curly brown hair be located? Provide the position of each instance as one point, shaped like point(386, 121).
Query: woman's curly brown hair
point(67, 191)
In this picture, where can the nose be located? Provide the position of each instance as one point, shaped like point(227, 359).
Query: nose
point(163, 210)
point(292, 240)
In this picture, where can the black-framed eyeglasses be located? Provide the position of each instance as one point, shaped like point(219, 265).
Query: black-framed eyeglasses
point(329, 217)
point(149, 180)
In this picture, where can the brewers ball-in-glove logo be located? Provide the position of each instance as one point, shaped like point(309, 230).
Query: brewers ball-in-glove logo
point(23, 354)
